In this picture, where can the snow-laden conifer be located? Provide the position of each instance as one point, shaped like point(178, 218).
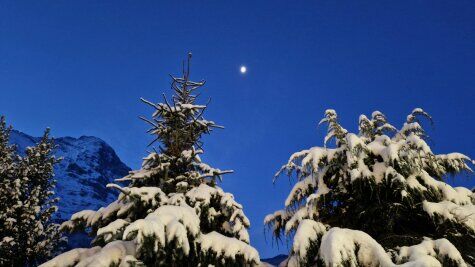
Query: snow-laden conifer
point(27, 234)
point(171, 213)
point(377, 198)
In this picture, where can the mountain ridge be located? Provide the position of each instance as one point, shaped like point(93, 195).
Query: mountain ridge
point(88, 165)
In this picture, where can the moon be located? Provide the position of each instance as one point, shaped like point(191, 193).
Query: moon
point(243, 69)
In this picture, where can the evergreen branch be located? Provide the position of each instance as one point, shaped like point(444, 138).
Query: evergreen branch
point(123, 190)
point(166, 101)
point(148, 121)
point(149, 103)
point(154, 140)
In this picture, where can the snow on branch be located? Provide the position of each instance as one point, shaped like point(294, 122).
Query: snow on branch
point(380, 173)
point(228, 248)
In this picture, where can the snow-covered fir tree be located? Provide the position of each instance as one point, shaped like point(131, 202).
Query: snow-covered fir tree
point(28, 236)
point(377, 198)
point(171, 213)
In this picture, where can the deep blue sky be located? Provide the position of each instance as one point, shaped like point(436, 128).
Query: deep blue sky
point(80, 68)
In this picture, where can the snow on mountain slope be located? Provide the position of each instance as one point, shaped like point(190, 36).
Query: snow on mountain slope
point(275, 261)
point(88, 165)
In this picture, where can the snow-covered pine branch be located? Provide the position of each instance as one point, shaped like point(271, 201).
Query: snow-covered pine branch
point(384, 187)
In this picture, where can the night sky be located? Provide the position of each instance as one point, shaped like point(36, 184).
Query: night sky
point(80, 68)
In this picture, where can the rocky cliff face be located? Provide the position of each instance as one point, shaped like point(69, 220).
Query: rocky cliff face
point(88, 165)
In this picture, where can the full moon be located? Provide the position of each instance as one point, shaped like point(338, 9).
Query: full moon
point(243, 69)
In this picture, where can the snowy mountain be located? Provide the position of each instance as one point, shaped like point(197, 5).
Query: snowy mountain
point(275, 261)
point(88, 165)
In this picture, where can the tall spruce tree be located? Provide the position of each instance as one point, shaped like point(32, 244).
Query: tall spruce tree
point(377, 198)
point(28, 236)
point(171, 213)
